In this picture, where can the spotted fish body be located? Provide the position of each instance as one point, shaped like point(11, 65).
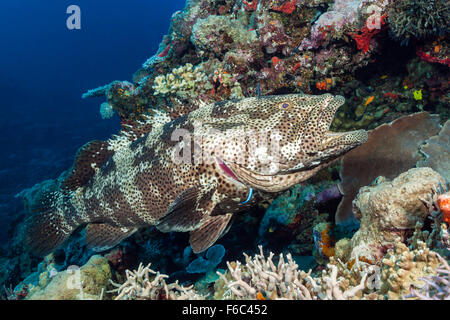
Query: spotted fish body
point(192, 174)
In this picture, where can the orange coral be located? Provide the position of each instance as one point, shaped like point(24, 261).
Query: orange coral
point(296, 66)
point(443, 202)
point(362, 259)
point(288, 7)
point(327, 243)
point(363, 37)
point(322, 85)
point(275, 61)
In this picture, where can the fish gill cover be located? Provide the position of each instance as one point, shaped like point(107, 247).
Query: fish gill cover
point(232, 134)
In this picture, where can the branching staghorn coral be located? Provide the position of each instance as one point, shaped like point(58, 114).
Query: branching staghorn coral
point(282, 281)
point(140, 285)
point(261, 278)
point(332, 286)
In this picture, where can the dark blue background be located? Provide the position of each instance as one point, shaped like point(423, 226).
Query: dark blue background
point(44, 69)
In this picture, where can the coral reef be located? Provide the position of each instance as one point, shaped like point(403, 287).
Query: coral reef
point(388, 209)
point(437, 152)
point(285, 208)
point(345, 16)
point(75, 283)
point(390, 150)
point(147, 284)
point(436, 51)
point(418, 19)
point(323, 242)
point(388, 58)
point(182, 81)
point(437, 287)
point(291, 217)
point(106, 111)
point(403, 269)
point(220, 34)
point(260, 43)
point(246, 48)
point(261, 279)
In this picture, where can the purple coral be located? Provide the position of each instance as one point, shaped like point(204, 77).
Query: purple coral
point(436, 287)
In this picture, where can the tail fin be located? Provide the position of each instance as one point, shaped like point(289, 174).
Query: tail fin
point(44, 232)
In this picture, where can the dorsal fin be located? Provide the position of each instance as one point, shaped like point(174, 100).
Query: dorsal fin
point(92, 155)
point(135, 129)
point(205, 236)
point(148, 123)
point(181, 107)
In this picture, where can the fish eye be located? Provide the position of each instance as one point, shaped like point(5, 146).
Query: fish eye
point(284, 105)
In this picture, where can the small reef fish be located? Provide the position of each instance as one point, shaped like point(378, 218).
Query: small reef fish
point(369, 100)
point(136, 180)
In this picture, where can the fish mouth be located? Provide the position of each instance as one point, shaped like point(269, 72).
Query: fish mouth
point(342, 142)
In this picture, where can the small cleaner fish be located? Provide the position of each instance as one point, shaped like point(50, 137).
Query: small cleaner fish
point(192, 173)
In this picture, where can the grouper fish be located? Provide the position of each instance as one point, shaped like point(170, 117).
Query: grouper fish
point(192, 173)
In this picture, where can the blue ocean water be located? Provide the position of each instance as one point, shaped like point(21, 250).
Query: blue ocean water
point(44, 69)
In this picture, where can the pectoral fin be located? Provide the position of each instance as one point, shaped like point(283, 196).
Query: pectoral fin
point(102, 236)
point(205, 236)
point(186, 211)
